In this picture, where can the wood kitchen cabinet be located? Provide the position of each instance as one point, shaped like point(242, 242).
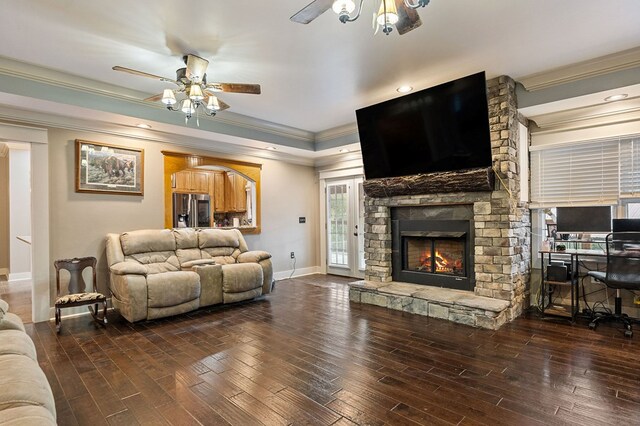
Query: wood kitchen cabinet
point(217, 188)
point(235, 195)
point(191, 181)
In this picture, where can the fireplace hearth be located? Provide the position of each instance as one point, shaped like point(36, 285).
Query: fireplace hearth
point(432, 252)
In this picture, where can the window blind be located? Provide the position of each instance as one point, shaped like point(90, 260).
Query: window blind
point(630, 167)
point(580, 174)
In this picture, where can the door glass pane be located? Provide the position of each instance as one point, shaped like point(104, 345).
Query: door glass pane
point(338, 218)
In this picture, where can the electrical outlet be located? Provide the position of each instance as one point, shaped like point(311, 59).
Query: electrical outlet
point(293, 255)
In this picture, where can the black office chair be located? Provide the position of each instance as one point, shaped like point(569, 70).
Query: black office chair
point(623, 272)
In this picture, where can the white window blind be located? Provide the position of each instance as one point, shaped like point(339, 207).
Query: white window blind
point(630, 167)
point(579, 174)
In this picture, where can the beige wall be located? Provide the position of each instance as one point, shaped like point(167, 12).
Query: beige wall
point(80, 221)
point(4, 213)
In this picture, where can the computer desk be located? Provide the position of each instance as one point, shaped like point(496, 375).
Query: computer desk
point(574, 256)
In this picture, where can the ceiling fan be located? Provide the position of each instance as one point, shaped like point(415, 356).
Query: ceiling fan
point(193, 88)
point(401, 13)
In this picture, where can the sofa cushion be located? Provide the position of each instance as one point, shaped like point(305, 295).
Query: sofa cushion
point(221, 259)
point(16, 342)
point(22, 382)
point(172, 288)
point(157, 262)
point(186, 238)
point(31, 415)
point(149, 240)
point(208, 238)
point(241, 277)
point(11, 322)
point(188, 255)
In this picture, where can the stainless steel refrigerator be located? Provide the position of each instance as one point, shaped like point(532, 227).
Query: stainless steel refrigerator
point(191, 211)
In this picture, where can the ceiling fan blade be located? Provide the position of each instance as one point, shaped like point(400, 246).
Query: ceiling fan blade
point(196, 67)
point(154, 98)
point(223, 105)
point(253, 89)
point(408, 19)
point(143, 74)
point(312, 11)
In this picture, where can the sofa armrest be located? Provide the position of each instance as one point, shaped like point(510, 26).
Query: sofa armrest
point(128, 268)
point(253, 256)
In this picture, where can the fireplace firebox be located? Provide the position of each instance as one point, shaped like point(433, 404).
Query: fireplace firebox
point(432, 252)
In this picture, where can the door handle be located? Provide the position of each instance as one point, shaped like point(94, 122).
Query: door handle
point(355, 234)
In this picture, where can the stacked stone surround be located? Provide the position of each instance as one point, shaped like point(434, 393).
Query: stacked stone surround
point(502, 254)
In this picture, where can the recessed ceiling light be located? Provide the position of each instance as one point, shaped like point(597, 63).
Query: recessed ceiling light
point(143, 126)
point(271, 148)
point(404, 89)
point(613, 98)
point(343, 150)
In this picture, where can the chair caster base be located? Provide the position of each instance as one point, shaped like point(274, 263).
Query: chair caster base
point(628, 333)
point(593, 325)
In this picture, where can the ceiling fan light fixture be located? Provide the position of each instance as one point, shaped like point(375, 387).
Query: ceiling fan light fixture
point(387, 14)
point(168, 98)
point(340, 6)
point(195, 93)
point(187, 107)
point(213, 104)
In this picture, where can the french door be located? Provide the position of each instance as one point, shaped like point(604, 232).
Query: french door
point(345, 227)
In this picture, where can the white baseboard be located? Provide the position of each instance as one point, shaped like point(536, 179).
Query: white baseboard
point(282, 275)
point(20, 276)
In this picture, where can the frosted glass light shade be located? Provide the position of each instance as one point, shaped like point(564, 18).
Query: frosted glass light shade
point(187, 107)
point(213, 104)
point(340, 5)
point(168, 98)
point(391, 15)
point(195, 93)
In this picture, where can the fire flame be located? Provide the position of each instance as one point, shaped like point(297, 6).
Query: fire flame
point(442, 263)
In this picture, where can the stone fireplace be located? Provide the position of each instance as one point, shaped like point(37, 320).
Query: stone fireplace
point(453, 245)
point(430, 247)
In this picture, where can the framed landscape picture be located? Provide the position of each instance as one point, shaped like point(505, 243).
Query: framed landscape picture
point(110, 169)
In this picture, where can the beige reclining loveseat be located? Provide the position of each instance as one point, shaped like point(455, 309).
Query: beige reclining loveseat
point(25, 394)
point(158, 273)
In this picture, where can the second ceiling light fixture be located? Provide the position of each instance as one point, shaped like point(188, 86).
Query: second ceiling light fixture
point(400, 13)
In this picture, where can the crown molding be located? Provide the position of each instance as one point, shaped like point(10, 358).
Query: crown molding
point(578, 71)
point(33, 118)
point(337, 132)
point(607, 113)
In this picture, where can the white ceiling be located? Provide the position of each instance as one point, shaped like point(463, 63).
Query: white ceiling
point(313, 76)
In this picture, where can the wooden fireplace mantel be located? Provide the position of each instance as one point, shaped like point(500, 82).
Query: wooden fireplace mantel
point(474, 180)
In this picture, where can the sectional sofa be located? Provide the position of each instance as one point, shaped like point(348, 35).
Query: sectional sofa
point(25, 394)
point(159, 273)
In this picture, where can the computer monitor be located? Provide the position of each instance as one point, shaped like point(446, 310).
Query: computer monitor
point(578, 220)
point(626, 225)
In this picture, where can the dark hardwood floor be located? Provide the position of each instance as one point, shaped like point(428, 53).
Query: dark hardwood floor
point(306, 355)
point(18, 295)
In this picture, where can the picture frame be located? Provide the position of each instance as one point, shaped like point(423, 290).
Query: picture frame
point(109, 169)
point(552, 231)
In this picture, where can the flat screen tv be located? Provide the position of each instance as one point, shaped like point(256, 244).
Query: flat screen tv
point(577, 220)
point(443, 128)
